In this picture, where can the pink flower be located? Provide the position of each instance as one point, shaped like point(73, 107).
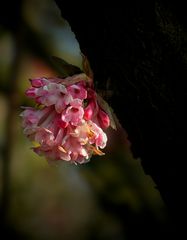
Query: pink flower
point(32, 118)
point(45, 137)
point(54, 94)
point(49, 93)
point(68, 122)
point(74, 113)
point(77, 91)
point(76, 151)
point(99, 138)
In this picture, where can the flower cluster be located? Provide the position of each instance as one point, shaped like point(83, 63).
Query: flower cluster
point(68, 122)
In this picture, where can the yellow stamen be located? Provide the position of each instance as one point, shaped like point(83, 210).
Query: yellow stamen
point(36, 144)
point(60, 148)
point(96, 151)
point(90, 133)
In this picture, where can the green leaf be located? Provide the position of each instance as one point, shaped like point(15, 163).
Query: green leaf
point(64, 68)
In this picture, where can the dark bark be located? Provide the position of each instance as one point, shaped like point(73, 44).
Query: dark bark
point(139, 52)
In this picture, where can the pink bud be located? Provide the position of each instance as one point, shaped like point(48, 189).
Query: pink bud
point(31, 92)
point(104, 119)
point(88, 113)
point(89, 110)
point(37, 82)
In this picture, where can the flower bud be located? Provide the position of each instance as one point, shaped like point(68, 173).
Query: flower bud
point(37, 82)
point(31, 92)
point(104, 119)
point(89, 110)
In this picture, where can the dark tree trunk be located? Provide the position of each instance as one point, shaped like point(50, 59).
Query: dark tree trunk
point(139, 52)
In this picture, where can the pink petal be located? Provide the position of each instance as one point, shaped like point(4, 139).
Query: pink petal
point(77, 91)
point(60, 105)
point(76, 103)
point(44, 136)
point(31, 92)
point(73, 115)
point(37, 82)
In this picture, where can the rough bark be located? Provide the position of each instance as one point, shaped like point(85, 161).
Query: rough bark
point(138, 51)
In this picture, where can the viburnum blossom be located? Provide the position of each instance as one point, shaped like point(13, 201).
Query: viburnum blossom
point(68, 122)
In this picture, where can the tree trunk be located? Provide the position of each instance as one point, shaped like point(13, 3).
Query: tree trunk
point(138, 51)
